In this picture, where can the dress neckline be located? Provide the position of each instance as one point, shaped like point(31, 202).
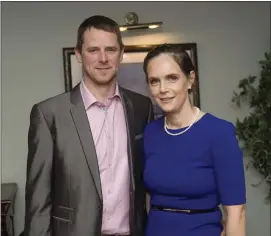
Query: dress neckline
point(183, 128)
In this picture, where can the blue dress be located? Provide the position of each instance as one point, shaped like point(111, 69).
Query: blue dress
point(199, 169)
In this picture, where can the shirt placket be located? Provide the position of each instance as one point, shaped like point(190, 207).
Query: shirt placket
point(109, 146)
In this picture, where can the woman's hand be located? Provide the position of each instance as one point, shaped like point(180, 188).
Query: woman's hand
point(235, 220)
point(224, 224)
point(148, 199)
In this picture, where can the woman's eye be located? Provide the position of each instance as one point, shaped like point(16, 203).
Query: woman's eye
point(154, 81)
point(172, 78)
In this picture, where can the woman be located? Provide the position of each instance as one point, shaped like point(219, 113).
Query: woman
point(192, 159)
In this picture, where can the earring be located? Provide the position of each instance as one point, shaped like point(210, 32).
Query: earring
point(189, 89)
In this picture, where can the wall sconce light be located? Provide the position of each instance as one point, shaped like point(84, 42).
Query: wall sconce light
point(131, 20)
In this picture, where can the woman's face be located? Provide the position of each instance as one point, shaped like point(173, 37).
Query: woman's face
point(167, 83)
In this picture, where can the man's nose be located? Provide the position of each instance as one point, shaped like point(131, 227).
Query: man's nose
point(103, 56)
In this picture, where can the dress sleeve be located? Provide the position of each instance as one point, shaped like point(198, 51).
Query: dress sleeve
point(228, 166)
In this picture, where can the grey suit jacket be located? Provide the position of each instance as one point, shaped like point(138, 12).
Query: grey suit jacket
point(63, 188)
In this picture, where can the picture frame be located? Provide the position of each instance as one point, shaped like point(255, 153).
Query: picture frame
point(130, 73)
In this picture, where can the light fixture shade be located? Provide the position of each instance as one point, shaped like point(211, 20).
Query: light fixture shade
point(152, 25)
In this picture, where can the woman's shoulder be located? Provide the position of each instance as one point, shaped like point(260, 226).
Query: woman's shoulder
point(219, 126)
point(219, 122)
point(154, 125)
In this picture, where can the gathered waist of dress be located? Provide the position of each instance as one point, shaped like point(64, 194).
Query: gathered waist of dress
point(186, 211)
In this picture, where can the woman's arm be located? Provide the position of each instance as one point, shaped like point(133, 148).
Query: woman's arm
point(235, 220)
point(230, 178)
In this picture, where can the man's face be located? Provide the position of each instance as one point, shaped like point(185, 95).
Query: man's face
point(100, 56)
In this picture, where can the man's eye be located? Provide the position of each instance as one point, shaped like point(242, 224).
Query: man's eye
point(111, 49)
point(92, 50)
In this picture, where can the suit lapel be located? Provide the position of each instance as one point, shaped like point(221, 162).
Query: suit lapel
point(80, 120)
point(129, 117)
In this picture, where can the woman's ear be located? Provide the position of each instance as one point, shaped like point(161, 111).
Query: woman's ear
point(191, 79)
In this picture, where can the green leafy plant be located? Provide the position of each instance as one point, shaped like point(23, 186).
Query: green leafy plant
point(254, 131)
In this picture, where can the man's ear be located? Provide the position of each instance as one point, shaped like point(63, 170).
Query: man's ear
point(121, 54)
point(78, 55)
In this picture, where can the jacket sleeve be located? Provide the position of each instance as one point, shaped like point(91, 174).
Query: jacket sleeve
point(145, 211)
point(38, 202)
point(151, 113)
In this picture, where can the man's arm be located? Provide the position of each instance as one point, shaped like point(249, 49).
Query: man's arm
point(150, 119)
point(151, 113)
point(38, 201)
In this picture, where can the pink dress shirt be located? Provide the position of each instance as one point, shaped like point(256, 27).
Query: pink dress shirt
point(108, 127)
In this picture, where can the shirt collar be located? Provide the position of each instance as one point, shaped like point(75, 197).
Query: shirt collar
point(89, 99)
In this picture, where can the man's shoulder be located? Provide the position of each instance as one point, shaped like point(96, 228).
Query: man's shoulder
point(63, 97)
point(53, 103)
point(134, 96)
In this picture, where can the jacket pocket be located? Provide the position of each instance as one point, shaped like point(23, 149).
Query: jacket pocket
point(139, 136)
point(61, 219)
point(64, 214)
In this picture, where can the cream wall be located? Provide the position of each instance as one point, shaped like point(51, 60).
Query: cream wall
point(231, 38)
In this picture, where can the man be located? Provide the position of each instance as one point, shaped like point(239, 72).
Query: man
point(85, 160)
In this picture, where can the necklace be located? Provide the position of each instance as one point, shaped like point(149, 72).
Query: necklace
point(175, 134)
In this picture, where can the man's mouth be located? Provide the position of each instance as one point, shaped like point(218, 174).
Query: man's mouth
point(103, 68)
